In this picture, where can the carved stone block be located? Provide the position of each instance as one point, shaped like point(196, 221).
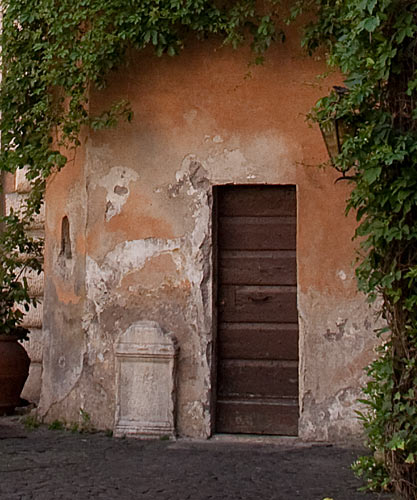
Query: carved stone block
point(22, 185)
point(33, 318)
point(16, 201)
point(145, 382)
point(35, 281)
point(31, 390)
point(34, 346)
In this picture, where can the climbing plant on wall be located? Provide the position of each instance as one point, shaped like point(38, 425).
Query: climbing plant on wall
point(53, 53)
point(374, 44)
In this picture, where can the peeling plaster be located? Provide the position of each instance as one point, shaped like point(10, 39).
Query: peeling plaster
point(191, 255)
point(231, 157)
point(264, 157)
point(336, 343)
point(342, 275)
point(126, 257)
point(116, 184)
point(193, 177)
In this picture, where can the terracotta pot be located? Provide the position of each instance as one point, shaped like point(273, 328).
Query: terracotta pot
point(14, 370)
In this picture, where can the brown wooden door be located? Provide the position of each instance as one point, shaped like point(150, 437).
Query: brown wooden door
point(257, 376)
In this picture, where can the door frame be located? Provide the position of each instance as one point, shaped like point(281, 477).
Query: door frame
point(215, 288)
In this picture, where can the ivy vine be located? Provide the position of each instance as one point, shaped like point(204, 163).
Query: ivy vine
point(53, 53)
point(374, 44)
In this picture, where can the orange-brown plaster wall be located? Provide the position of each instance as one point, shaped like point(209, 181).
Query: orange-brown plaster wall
point(140, 203)
point(64, 337)
point(184, 102)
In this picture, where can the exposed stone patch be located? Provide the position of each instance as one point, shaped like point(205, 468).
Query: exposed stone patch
point(333, 419)
point(331, 336)
point(120, 190)
point(198, 175)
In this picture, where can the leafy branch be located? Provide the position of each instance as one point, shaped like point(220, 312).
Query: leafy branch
point(373, 43)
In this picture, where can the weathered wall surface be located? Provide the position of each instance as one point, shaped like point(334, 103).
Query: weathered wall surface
point(139, 203)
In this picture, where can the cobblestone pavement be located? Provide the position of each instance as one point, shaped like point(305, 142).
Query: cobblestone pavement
point(44, 464)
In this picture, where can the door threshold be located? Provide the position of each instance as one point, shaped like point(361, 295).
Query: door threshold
point(257, 438)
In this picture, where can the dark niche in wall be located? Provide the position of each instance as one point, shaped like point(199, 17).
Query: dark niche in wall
point(65, 239)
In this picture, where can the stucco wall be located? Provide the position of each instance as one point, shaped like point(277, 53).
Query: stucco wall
point(139, 202)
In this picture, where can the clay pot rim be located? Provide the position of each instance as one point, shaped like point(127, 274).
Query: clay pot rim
point(8, 337)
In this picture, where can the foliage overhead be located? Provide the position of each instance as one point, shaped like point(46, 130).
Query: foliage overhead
point(374, 44)
point(53, 53)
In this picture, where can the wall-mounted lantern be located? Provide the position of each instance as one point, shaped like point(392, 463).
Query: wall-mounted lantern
point(333, 131)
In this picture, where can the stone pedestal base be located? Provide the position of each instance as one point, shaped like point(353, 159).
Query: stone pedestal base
point(145, 382)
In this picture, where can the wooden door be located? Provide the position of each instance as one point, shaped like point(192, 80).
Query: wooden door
point(257, 376)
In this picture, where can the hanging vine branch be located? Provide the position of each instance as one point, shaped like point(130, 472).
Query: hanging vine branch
point(374, 44)
point(53, 52)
